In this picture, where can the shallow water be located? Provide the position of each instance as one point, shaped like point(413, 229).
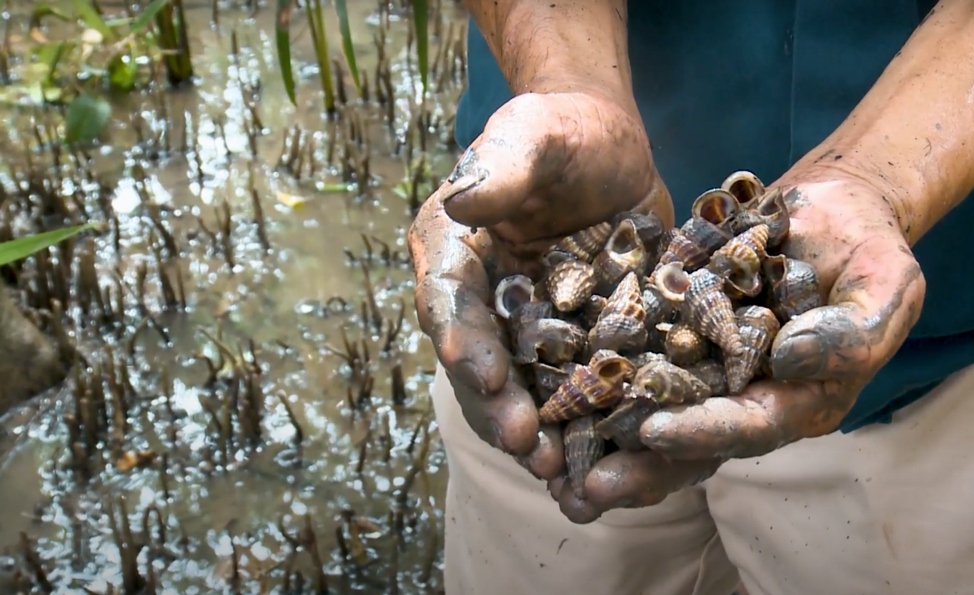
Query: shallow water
point(221, 500)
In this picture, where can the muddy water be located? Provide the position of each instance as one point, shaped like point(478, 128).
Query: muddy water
point(368, 473)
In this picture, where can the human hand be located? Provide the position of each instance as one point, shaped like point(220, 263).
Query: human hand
point(844, 224)
point(547, 165)
point(550, 164)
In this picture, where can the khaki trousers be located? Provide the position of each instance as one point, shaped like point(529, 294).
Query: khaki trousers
point(888, 509)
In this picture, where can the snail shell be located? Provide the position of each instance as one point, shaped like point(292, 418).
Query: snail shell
point(712, 374)
point(717, 206)
point(681, 249)
point(739, 261)
point(794, 286)
point(770, 210)
point(622, 425)
point(511, 293)
point(657, 308)
point(583, 448)
point(668, 384)
point(624, 253)
point(597, 385)
point(622, 324)
point(585, 244)
point(649, 229)
point(570, 282)
point(745, 186)
point(548, 378)
point(644, 358)
point(758, 326)
point(708, 309)
point(683, 345)
point(704, 234)
point(592, 309)
point(554, 341)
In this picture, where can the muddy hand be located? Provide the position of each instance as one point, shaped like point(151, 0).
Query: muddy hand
point(550, 164)
point(452, 296)
point(873, 290)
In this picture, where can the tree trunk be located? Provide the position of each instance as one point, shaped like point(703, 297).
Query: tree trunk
point(29, 361)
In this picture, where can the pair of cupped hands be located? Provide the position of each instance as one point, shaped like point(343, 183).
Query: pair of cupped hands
point(547, 165)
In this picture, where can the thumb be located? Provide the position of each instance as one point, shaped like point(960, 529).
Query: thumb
point(874, 303)
point(499, 171)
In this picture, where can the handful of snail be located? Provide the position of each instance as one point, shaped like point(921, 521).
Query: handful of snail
point(629, 318)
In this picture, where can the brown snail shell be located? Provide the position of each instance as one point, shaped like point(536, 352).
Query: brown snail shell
point(592, 309)
point(657, 308)
point(770, 210)
point(704, 234)
point(622, 324)
point(622, 425)
point(624, 253)
point(548, 378)
point(739, 261)
point(681, 249)
point(554, 341)
point(683, 345)
point(716, 206)
point(708, 309)
point(644, 358)
point(668, 384)
point(745, 186)
point(758, 326)
point(597, 385)
point(649, 229)
point(793, 285)
point(585, 244)
point(512, 292)
point(570, 282)
point(712, 374)
point(583, 448)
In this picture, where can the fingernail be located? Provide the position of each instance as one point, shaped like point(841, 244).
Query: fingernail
point(462, 185)
point(801, 356)
point(470, 375)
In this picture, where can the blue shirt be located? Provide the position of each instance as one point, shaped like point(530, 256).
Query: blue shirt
point(724, 85)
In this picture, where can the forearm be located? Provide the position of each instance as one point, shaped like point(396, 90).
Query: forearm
point(913, 132)
point(559, 46)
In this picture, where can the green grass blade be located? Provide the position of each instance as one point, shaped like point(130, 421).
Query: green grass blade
point(316, 23)
point(341, 8)
point(87, 13)
point(282, 29)
point(420, 20)
point(15, 250)
point(147, 15)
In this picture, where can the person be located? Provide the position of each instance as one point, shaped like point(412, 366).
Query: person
point(851, 472)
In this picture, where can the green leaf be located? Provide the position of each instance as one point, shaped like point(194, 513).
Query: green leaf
point(121, 72)
point(86, 118)
point(87, 13)
point(147, 15)
point(342, 9)
point(420, 16)
point(15, 250)
point(283, 35)
point(50, 54)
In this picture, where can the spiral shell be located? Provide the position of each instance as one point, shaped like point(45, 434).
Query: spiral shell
point(624, 253)
point(511, 293)
point(717, 206)
point(668, 384)
point(597, 385)
point(745, 186)
point(739, 261)
point(758, 327)
point(622, 324)
point(680, 249)
point(622, 425)
point(705, 235)
point(794, 286)
point(770, 210)
point(708, 309)
point(683, 345)
point(583, 448)
point(570, 282)
point(554, 341)
point(657, 308)
point(649, 228)
point(592, 309)
point(585, 244)
point(712, 374)
point(548, 378)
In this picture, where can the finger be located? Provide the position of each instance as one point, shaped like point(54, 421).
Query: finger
point(547, 460)
point(638, 479)
point(767, 416)
point(874, 303)
point(578, 511)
